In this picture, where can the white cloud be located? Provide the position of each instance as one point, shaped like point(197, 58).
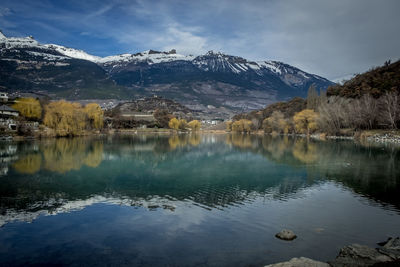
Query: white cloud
point(328, 38)
point(183, 41)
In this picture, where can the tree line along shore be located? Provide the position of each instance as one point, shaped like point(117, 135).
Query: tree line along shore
point(367, 104)
point(38, 118)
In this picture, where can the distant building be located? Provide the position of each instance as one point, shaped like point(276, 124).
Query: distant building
point(8, 123)
point(7, 112)
point(3, 97)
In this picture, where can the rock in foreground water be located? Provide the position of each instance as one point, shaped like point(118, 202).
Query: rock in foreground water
point(358, 255)
point(286, 235)
point(300, 262)
point(391, 248)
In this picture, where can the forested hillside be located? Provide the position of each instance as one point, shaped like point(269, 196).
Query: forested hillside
point(375, 82)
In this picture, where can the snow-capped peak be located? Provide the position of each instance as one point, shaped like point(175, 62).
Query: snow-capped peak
point(18, 42)
point(149, 56)
point(74, 53)
point(214, 61)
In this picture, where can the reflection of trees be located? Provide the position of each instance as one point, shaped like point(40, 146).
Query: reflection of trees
point(370, 170)
point(62, 155)
point(240, 140)
point(194, 139)
point(276, 149)
point(95, 155)
point(211, 174)
point(182, 140)
point(70, 154)
point(28, 164)
point(305, 151)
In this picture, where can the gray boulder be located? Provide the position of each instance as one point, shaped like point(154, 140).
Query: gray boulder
point(286, 235)
point(391, 248)
point(300, 262)
point(358, 255)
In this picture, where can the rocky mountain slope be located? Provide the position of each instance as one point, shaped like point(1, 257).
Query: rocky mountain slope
point(28, 66)
point(210, 81)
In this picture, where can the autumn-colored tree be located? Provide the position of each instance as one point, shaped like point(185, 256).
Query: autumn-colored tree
point(305, 121)
point(95, 115)
point(242, 125)
point(228, 126)
point(65, 118)
point(266, 125)
point(284, 126)
point(183, 124)
point(194, 125)
point(28, 107)
point(173, 123)
point(276, 122)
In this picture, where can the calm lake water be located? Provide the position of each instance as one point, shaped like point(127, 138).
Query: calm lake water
point(192, 200)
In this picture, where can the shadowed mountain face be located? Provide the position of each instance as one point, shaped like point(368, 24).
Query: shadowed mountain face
point(215, 79)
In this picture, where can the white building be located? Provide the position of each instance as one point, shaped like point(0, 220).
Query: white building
point(7, 112)
point(3, 97)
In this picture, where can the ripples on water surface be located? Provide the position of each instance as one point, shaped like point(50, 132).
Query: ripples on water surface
point(192, 200)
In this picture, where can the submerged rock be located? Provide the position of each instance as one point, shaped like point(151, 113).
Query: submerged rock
point(286, 235)
point(358, 255)
point(300, 262)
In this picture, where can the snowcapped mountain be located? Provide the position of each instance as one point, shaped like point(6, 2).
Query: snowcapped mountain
point(149, 56)
point(73, 53)
point(28, 66)
point(212, 80)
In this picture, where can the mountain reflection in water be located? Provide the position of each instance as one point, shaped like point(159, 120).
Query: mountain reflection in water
point(212, 171)
point(192, 199)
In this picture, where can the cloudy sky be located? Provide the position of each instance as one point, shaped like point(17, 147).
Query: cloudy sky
point(329, 38)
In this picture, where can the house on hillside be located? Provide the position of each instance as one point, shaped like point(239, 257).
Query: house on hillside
point(7, 115)
point(8, 112)
point(3, 97)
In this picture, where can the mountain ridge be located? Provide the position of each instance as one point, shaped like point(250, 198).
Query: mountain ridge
point(213, 79)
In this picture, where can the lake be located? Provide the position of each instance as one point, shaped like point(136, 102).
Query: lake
point(192, 200)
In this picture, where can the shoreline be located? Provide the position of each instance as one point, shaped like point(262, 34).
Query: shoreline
point(371, 136)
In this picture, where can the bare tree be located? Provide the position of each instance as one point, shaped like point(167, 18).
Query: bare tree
point(334, 114)
point(312, 98)
point(369, 110)
point(390, 109)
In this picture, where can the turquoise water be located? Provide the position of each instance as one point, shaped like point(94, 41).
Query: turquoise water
point(192, 200)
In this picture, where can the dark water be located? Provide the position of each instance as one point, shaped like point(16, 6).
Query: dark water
point(192, 200)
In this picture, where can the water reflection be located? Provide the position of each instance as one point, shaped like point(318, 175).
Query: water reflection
point(211, 171)
point(182, 140)
point(60, 155)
